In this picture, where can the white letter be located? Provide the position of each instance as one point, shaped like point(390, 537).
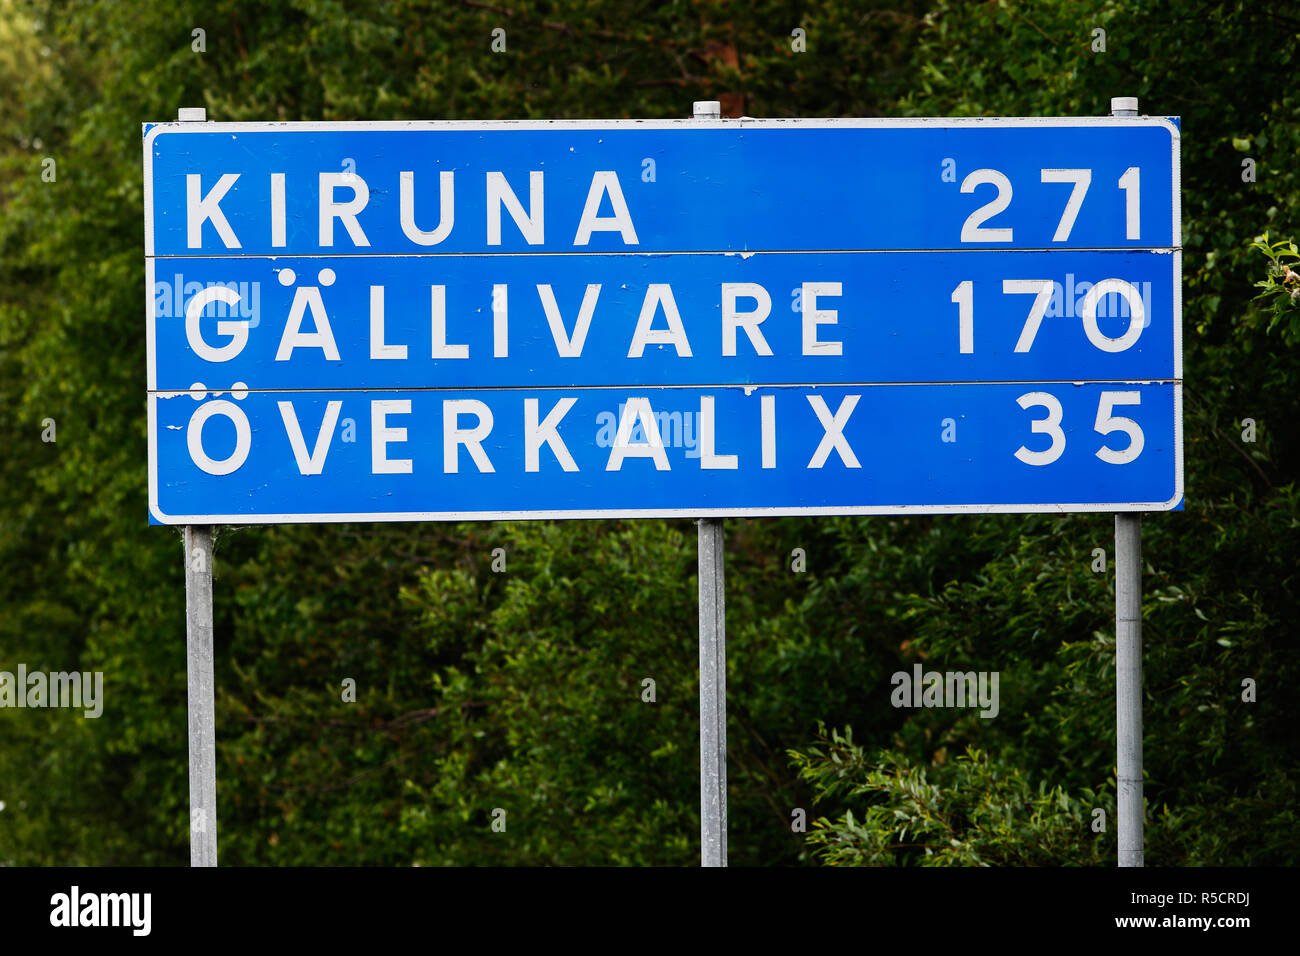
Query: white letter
point(674, 335)
point(322, 338)
point(500, 320)
point(707, 458)
point(472, 438)
point(446, 214)
point(569, 346)
point(208, 207)
point(235, 328)
point(277, 209)
point(620, 222)
point(314, 464)
point(141, 919)
point(378, 349)
point(535, 435)
point(637, 409)
point(345, 211)
point(749, 321)
point(499, 191)
point(381, 435)
point(243, 437)
point(59, 914)
point(438, 326)
point(812, 317)
point(834, 431)
point(767, 407)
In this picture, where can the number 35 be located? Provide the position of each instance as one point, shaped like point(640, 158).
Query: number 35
point(1106, 424)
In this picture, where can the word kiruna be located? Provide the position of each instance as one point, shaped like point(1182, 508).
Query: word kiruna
point(205, 207)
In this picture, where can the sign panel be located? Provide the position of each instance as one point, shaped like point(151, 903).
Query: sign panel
point(426, 321)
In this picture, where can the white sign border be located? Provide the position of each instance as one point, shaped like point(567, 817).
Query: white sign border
point(153, 130)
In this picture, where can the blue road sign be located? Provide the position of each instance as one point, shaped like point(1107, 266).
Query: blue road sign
point(421, 321)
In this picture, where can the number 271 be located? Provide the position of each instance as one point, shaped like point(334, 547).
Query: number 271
point(974, 230)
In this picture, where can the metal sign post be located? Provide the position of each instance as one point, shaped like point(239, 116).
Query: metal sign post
point(200, 682)
point(713, 695)
point(713, 663)
point(1128, 654)
point(1128, 686)
point(201, 687)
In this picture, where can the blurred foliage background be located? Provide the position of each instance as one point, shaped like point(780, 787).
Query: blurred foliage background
point(522, 690)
